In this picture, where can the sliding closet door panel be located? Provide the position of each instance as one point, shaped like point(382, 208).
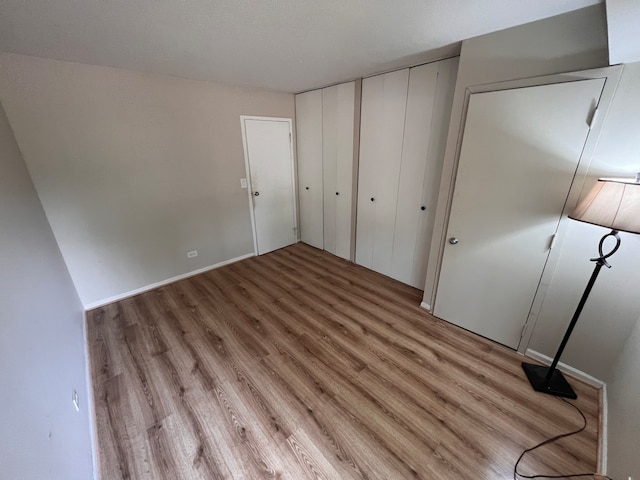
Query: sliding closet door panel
point(330, 164)
point(415, 148)
point(384, 100)
point(388, 168)
point(445, 88)
point(309, 146)
point(344, 123)
point(370, 127)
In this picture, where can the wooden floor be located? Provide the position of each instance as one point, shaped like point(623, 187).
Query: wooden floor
point(299, 365)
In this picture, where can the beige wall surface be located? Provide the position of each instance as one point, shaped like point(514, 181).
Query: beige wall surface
point(623, 393)
point(42, 356)
point(134, 170)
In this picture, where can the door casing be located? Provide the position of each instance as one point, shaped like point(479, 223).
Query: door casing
point(518, 160)
point(447, 183)
point(247, 166)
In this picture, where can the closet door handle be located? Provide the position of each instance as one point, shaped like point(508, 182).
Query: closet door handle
point(257, 194)
point(373, 199)
point(306, 188)
point(337, 193)
point(423, 207)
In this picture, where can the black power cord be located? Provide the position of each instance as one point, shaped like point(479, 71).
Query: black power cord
point(516, 474)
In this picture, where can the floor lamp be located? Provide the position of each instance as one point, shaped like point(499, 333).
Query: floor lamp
point(611, 203)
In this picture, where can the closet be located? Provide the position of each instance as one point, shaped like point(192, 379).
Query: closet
point(309, 147)
point(326, 127)
point(405, 118)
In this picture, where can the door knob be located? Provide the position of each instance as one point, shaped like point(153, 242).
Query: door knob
point(257, 194)
point(306, 188)
point(453, 240)
point(372, 199)
point(423, 207)
point(337, 193)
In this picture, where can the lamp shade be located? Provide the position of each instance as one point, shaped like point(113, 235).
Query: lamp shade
point(611, 203)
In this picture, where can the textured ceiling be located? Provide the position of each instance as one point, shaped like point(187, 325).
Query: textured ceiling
point(288, 45)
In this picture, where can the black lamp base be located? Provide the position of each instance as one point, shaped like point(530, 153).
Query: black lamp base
point(557, 386)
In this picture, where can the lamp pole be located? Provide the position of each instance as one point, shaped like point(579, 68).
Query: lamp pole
point(549, 379)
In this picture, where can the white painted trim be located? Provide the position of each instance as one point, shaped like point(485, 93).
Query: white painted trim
point(146, 288)
point(247, 170)
point(594, 382)
point(604, 431)
point(91, 406)
point(450, 167)
point(426, 306)
point(574, 372)
point(247, 167)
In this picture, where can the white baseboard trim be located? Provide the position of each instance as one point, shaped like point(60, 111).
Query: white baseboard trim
point(146, 288)
point(594, 382)
point(426, 306)
point(90, 404)
point(574, 372)
point(604, 431)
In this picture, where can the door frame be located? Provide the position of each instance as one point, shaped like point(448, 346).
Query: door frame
point(612, 78)
point(247, 168)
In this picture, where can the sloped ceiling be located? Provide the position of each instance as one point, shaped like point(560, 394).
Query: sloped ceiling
point(287, 45)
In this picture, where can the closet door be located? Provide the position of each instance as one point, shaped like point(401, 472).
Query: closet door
point(338, 110)
point(309, 145)
point(384, 100)
point(405, 116)
point(415, 146)
point(429, 101)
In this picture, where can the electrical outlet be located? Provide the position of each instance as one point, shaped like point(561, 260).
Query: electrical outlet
point(76, 400)
point(243, 182)
point(192, 254)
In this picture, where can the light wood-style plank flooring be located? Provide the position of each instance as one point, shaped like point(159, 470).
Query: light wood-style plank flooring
point(299, 365)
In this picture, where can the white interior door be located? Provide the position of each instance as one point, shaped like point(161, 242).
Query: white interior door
point(518, 158)
point(346, 94)
point(338, 110)
point(330, 165)
point(437, 140)
point(415, 148)
point(269, 161)
point(384, 102)
point(309, 143)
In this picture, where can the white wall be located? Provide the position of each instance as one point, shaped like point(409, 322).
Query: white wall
point(621, 141)
point(41, 345)
point(134, 169)
point(623, 18)
point(623, 391)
